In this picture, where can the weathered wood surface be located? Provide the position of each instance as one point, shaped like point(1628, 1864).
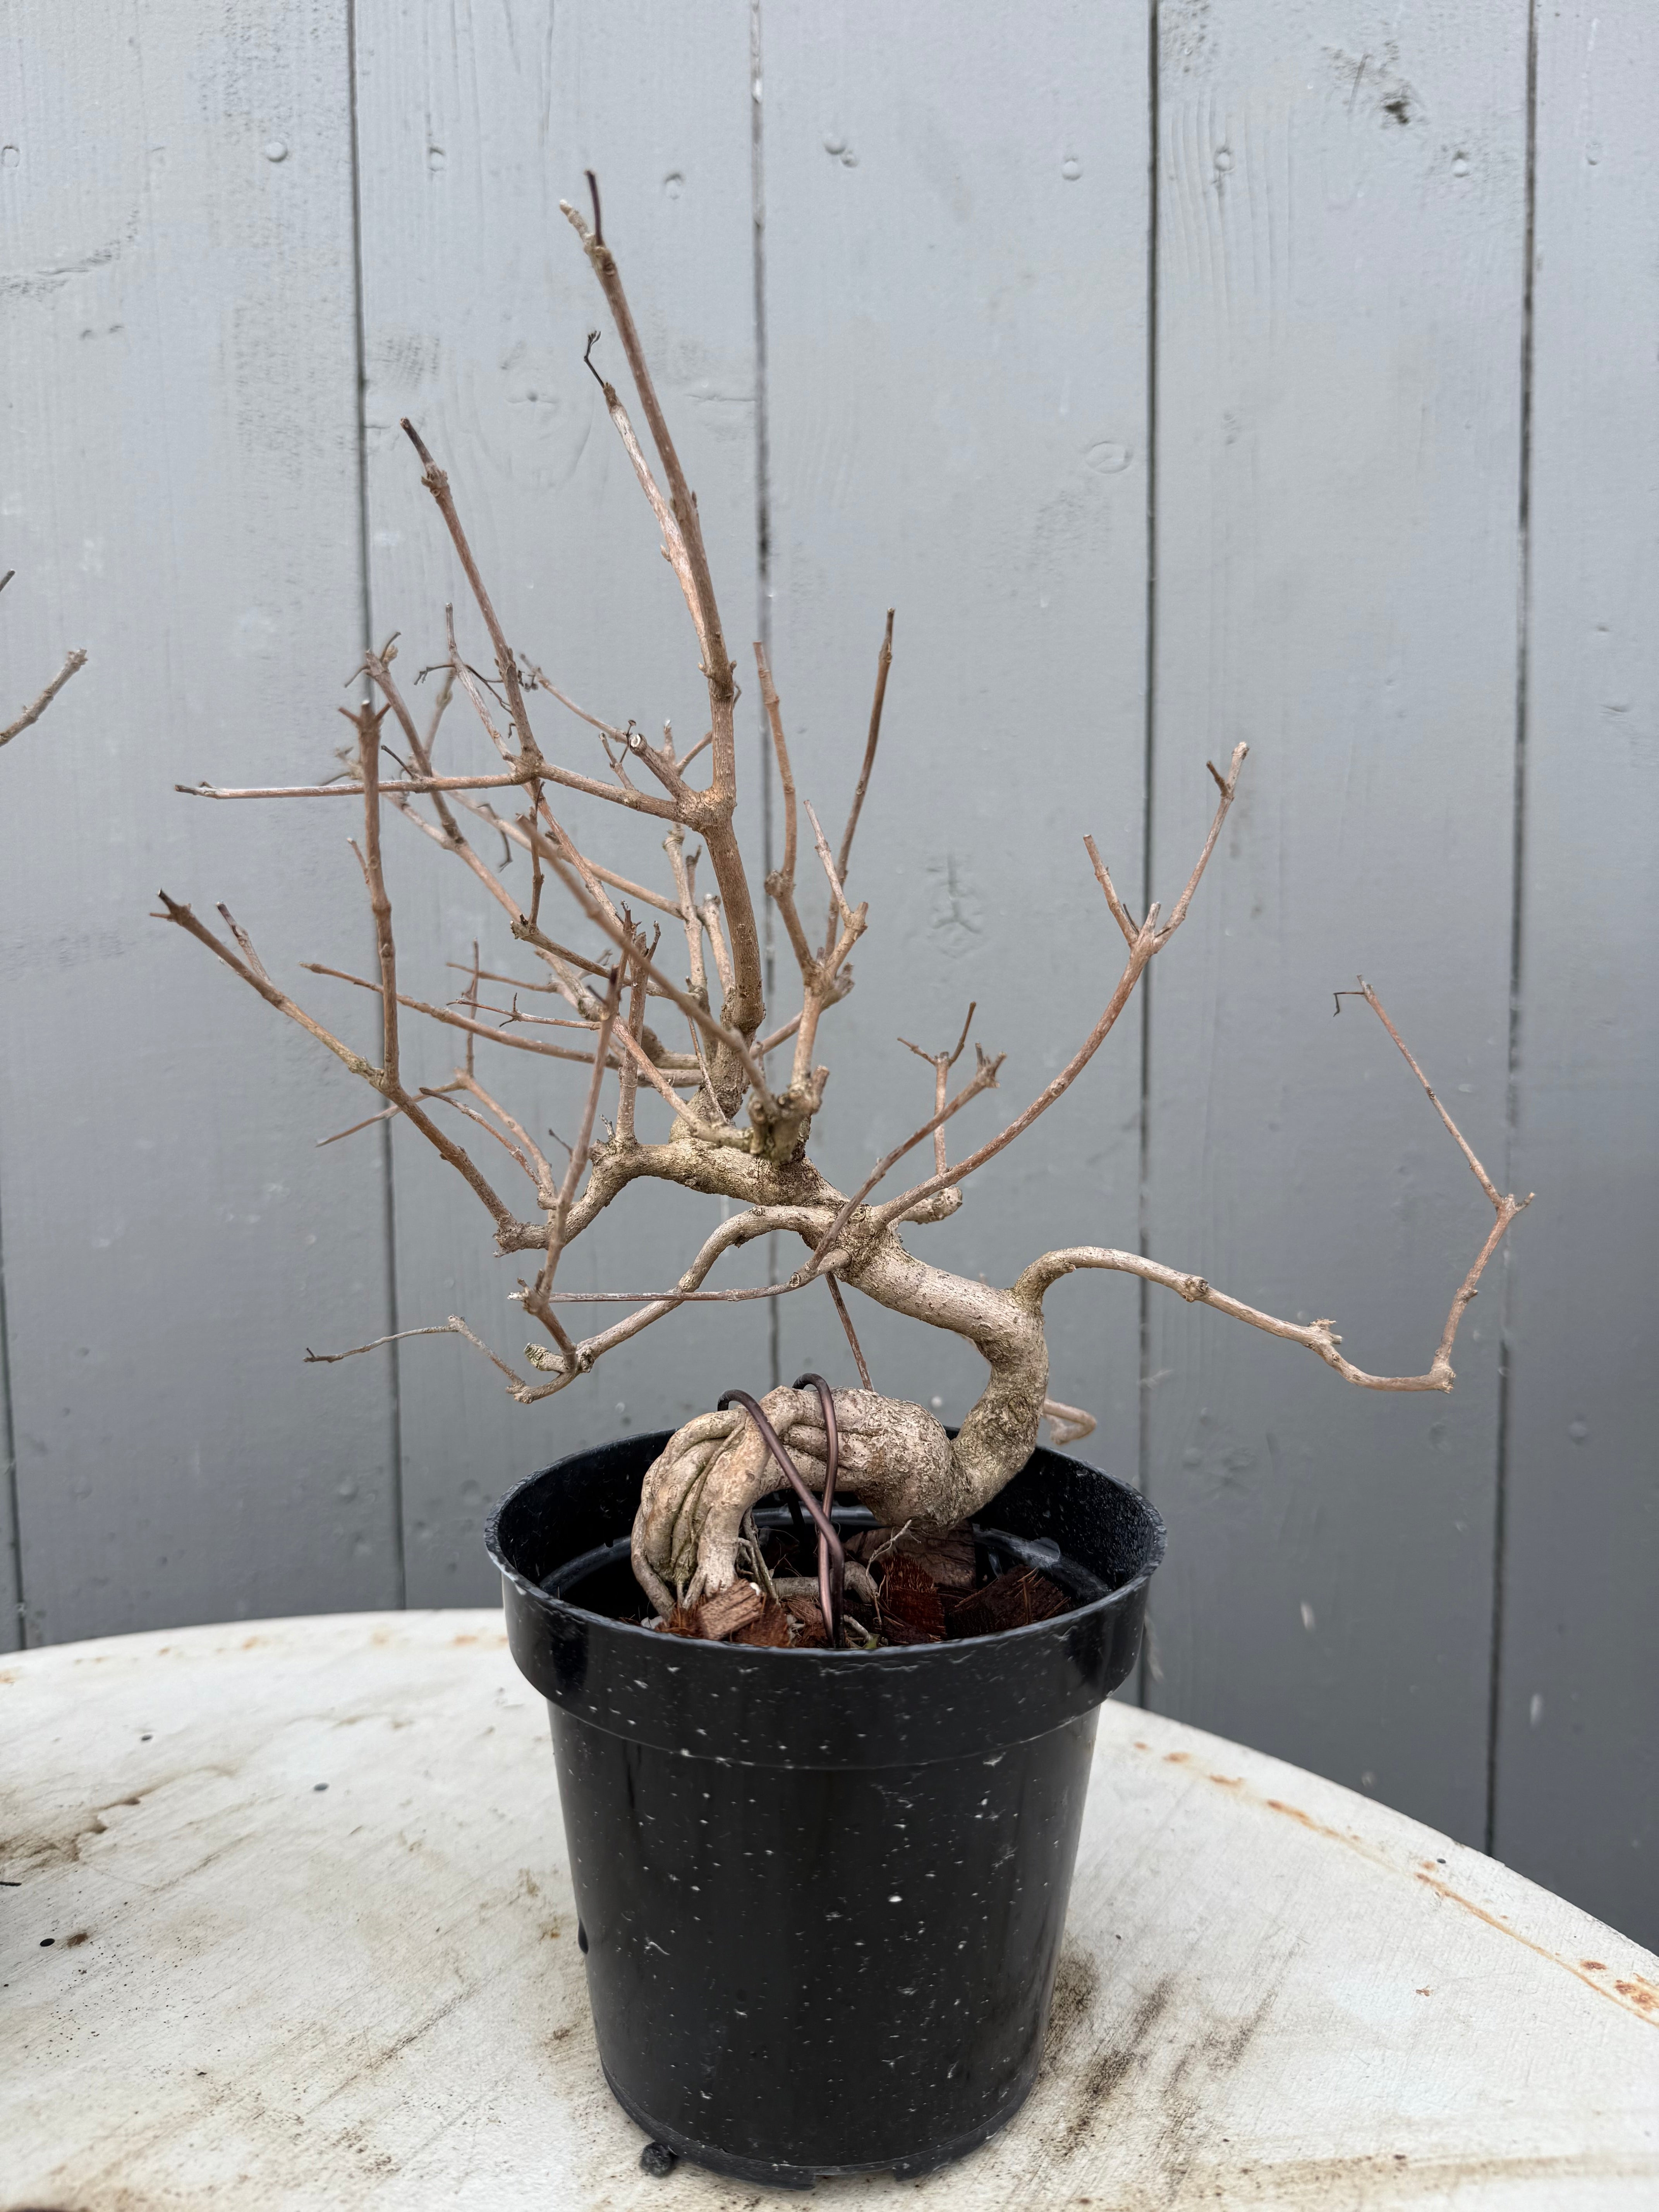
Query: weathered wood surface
point(178, 495)
point(1341, 232)
point(1576, 1756)
point(312, 1941)
point(947, 370)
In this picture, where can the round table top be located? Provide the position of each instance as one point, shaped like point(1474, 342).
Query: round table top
point(292, 1926)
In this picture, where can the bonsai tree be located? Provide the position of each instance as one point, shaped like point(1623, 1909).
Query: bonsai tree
point(734, 1104)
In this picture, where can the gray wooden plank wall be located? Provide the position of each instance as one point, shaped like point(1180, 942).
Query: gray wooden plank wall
point(1179, 381)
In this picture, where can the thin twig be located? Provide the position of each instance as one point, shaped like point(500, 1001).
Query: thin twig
point(711, 812)
point(1149, 941)
point(884, 662)
point(437, 483)
point(1371, 999)
point(852, 1337)
point(942, 1063)
point(244, 940)
point(1067, 1424)
point(43, 699)
point(983, 1078)
point(559, 1215)
point(781, 884)
point(1320, 1336)
point(628, 1078)
point(403, 788)
point(1121, 914)
point(453, 1327)
point(508, 1228)
point(740, 1229)
point(729, 1039)
point(368, 765)
point(384, 1115)
point(455, 1021)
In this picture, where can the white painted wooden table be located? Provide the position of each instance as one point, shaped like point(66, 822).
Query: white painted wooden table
point(293, 1929)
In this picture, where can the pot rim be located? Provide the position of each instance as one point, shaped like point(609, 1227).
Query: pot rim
point(903, 1654)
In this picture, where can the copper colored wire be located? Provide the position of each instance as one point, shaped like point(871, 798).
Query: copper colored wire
point(831, 1574)
point(832, 1559)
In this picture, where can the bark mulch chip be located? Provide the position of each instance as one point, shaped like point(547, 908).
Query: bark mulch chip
point(1016, 1600)
point(769, 1627)
point(911, 1612)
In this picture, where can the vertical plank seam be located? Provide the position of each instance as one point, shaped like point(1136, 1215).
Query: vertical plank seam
point(9, 1446)
point(763, 572)
point(1149, 707)
point(394, 1407)
point(1517, 862)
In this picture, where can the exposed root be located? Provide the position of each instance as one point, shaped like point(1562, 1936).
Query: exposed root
point(895, 1458)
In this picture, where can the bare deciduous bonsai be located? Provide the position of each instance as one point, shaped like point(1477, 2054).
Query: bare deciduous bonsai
point(736, 1129)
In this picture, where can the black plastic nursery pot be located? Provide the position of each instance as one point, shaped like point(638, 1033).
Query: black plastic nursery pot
point(821, 1894)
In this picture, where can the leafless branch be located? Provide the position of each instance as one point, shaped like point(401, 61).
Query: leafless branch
point(507, 1227)
point(729, 1039)
point(453, 1327)
point(627, 1080)
point(455, 1021)
point(43, 699)
point(846, 1321)
point(369, 759)
point(1067, 1424)
point(437, 483)
point(741, 1229)
point(983, 1078)
point(1121, 914)
point(368, 1123)
point(1319, 1336)
point(1149, 941)
point(884, 662)
point(710, 812)
point(403, 788)
point(1376, 1005)
point(942, 1063)
point(536, 1296)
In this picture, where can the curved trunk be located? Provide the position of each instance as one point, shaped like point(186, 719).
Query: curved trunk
point(894, 1456)
point(1000, 1431)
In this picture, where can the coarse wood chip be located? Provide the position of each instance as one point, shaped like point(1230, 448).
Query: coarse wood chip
point(809, 1620)
point(729, 1610)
